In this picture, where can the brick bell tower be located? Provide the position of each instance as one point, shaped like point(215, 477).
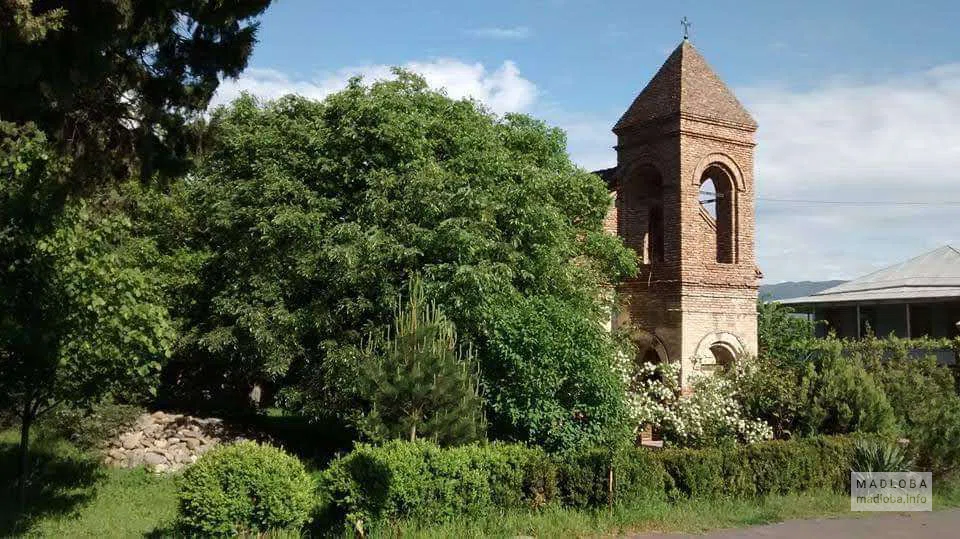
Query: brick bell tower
point(684, 201)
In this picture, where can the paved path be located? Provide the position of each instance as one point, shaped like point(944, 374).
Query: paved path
point(939, 524)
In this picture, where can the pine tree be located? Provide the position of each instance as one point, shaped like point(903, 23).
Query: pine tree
point(118, 85)
point(420, 383)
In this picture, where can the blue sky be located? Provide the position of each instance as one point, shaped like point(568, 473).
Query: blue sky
point(857, 101)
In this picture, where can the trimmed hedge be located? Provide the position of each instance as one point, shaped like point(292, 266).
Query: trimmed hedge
point(403, 480)
point(584, 477)
point(420, 480)
point(774, 467)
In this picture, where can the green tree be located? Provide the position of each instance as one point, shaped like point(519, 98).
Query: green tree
point(783, 335)
point(80, 317)
point(842, 396)
point(551, 377)
point(115, 83)
point(418, 380)
point(317, 213)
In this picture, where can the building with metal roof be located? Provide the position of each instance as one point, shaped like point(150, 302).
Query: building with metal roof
point(916, 298)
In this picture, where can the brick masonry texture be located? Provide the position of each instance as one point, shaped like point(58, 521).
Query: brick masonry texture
point(683, 127)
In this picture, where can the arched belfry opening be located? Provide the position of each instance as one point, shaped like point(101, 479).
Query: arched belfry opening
point(653, 251)
point(640, 222)
point(718, 200)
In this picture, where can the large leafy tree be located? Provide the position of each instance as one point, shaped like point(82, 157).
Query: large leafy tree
point(314, 214)
point(115, 83)
point(80, 315)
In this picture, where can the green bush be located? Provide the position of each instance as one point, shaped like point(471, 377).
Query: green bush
point(90, 428)
point(244, 488)
point(550, 378)
point(421, 481)
point(923, 396)
point(419, 382)
point(771, 391)
point(774, 467)
point(585, 477)
point(842, 396)
point(935, 438)
point(693, 473)
point(781, 467)
point(878, 456)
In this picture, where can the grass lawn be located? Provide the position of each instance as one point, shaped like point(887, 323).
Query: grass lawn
point(72, 495)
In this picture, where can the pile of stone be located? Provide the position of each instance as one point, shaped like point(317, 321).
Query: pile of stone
point(165, 442)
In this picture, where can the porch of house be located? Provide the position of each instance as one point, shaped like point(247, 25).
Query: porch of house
point(934, 319)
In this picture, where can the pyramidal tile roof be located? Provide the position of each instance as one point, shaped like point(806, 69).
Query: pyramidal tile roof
point(685, 84)
point(935, 274)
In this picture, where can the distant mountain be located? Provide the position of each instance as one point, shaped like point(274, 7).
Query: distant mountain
point(795, 289)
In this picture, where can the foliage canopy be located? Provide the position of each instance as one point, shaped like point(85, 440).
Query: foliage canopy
point(314, 214)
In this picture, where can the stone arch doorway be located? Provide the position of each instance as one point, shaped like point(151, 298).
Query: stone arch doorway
point(718, 351)
point(650, 348)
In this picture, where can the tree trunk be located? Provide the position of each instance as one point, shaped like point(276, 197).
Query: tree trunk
point(26, 419)
point(413, 432)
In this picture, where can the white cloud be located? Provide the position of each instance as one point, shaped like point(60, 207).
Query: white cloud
point(503, 89)
point(514, 32)
point(891, 141)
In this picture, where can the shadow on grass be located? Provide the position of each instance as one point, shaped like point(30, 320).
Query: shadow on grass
point(162, 532)
point(60, 480)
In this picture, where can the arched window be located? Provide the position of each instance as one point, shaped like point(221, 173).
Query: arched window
point(640, 213)
point(654, 239)
point(718, 199)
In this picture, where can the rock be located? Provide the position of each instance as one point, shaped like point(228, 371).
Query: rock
point(153, 458)
point(168, 442)
point(181, 456)
point(131, 440)
point(135, 458)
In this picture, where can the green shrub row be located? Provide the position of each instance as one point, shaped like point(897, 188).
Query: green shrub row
point(421, 481)
point(774, 467)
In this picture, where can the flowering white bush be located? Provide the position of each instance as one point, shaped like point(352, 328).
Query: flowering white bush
point(709, 416)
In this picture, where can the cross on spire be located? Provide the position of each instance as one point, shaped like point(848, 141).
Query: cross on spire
point(686, 27)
